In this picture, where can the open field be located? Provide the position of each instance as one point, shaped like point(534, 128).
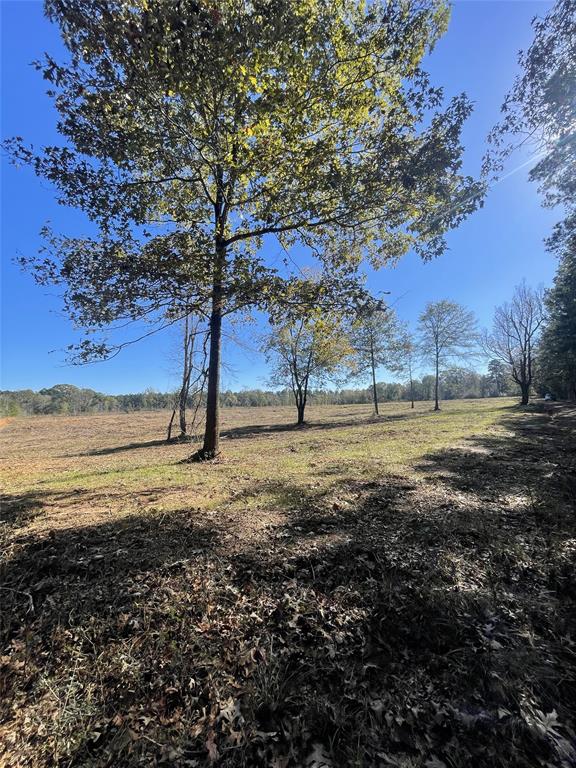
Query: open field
point(392, 592)
point(84, 470)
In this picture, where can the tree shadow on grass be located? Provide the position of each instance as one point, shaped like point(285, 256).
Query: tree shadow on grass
point(536, 457)
point(468, 602)
point(128, 447)
point(18, 509)
point(254, 430)
point(424, 631)
point(90, 593)
point(390, 622)
point(88, 566)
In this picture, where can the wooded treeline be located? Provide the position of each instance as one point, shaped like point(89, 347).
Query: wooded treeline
point(68, 399)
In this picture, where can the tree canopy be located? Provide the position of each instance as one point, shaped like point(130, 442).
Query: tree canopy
point(540, 112)
point(447, 333)
point(557, 347)
point(193, 131)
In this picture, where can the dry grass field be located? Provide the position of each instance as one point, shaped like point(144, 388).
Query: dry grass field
point(366, 592)
point(87, 470)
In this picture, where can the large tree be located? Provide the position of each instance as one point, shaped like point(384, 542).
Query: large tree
point(194, 130)
point(515, 330)
point(557, 347)
point(447, 332)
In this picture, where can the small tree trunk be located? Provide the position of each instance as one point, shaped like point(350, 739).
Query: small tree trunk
point(169, 435)
point(301, 399)
point(525, 389)
point(186, 373)
point(302, 391)
point(301, 408)
point(411, 394)
point(436, 403)
point(182, 411)
point(374, 387)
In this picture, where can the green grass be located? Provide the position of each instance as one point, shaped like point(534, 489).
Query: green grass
point(363, 448)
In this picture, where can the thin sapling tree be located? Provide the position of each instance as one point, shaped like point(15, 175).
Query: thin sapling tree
point(447, 332)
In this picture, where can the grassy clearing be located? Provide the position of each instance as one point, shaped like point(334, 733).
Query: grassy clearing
point(359, 592)
point(122, 461)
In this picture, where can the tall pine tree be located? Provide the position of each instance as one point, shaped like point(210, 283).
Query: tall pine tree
point(557, 356)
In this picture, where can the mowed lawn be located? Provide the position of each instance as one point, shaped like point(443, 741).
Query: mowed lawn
point(93, 468)
point(396, 591)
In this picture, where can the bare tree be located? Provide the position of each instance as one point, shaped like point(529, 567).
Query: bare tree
point(514, 334)
point(447, 333)
point(376, 340)
point(194, 371)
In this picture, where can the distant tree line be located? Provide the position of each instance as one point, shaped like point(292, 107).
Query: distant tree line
point(66, 399)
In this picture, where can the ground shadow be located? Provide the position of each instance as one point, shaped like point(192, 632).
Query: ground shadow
point(18, 509)
point(128, 447)
point(537, 457)
point(253, 430)
point(427, 620)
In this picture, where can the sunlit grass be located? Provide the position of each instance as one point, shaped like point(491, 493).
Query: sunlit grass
point(114, 461)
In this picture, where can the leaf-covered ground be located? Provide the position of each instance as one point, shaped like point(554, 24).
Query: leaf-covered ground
point(398, 592)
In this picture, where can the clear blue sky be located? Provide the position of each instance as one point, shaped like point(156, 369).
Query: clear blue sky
point(489, 254)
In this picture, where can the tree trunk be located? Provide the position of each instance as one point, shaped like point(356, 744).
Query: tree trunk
point(301, 401)
point(169, 435)
point(525, 388)
point(374, 388)
point(301, 407)
point(182, 410)
point(186, 373)
point(211, 446)
point(411, 393)
point(436, 404)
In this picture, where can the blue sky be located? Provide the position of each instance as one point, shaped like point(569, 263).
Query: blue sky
point(488, 255)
